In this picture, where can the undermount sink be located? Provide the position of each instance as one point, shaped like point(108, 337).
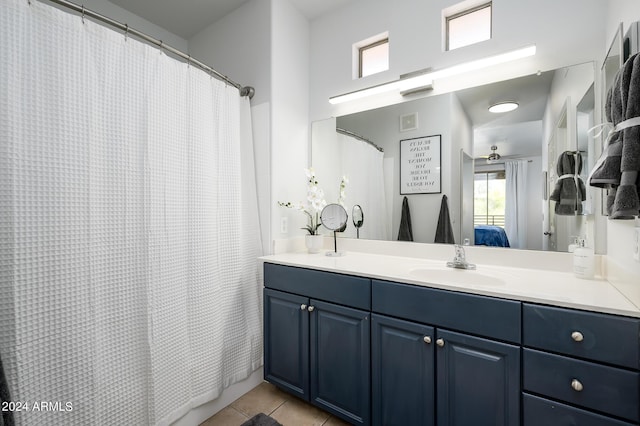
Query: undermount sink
point(444, 275)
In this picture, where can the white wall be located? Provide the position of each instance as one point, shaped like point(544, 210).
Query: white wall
point(565, 32)
point(461, 138)
point(110, 10)
point(264, 44)
point(290, 114)
point(620, 232)
point(239, 45)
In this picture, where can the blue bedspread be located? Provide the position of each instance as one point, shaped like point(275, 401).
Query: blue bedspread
point(487, 235)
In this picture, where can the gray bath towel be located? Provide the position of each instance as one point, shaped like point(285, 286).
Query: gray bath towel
point(619, 164)
point(405, 233)
point(627, 204)
point(569, 190)
point(607, 169)
point(444, 231)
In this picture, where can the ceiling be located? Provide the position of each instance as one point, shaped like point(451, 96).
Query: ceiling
point(185, 18)
point(518, 132)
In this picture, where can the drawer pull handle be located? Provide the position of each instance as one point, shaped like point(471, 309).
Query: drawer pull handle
point(310, 308)
point(303, 307)
point(576, 385)
point(440, 342)
point(577, 336)
point(427, 339)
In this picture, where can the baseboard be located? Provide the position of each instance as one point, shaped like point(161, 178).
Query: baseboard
point(199, 414)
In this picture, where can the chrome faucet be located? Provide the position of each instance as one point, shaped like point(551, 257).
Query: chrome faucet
point(460, 260)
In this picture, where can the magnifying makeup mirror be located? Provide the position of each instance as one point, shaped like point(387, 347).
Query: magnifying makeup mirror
point(358, 218)
point(334, 217)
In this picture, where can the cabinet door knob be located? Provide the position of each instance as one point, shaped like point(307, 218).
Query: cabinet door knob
point(427, 339)
point(303, 307)
point(440, 342)
point(577, 336)
point(576, 385)
point(310, 308)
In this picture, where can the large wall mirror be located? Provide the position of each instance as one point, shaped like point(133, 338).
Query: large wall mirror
point(496, 169)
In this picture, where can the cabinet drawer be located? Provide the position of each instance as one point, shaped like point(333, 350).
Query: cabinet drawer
point(342, 289)
point(485, 316)
point(606, 389)
point(540, 411)
point(590, 335)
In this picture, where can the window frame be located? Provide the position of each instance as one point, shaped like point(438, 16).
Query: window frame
point(366, 47)
point(500, 174)
point(473, 9)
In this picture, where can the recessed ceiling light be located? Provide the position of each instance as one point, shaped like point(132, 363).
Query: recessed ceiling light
point(503, 107)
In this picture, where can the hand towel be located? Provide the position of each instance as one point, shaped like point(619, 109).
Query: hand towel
point(444, 231)
point(405, 233)
point(569, 190)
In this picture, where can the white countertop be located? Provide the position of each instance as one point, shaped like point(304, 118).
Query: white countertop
point(531, 285)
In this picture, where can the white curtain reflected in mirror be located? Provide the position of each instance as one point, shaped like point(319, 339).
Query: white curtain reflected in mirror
point(516, 203)
point(363, 166)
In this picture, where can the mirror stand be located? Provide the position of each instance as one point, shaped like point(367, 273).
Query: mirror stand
point(335, 252)
point(334, 217)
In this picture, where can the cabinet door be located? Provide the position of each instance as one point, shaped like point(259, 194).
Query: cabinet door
point(340, 357)
point(403, 377)
point(478, 381)
point(286, 342)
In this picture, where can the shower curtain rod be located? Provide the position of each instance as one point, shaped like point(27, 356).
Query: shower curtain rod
point(363, 139)
point(244, 90)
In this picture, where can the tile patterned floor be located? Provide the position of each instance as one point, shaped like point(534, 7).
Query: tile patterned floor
point(266, 398)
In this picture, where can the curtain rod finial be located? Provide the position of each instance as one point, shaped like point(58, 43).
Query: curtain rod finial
point(248, 91)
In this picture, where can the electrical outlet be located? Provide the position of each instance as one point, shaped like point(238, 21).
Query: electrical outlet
point(284, 225)
point(636, 244)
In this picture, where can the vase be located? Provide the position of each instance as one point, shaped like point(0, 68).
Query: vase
point(313, 243)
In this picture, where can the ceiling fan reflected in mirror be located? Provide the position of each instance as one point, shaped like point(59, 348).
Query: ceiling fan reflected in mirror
point(494, 157)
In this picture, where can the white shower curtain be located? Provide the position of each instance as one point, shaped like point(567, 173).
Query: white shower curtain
point(129, 285)
point(515, 216)
point(363, 166)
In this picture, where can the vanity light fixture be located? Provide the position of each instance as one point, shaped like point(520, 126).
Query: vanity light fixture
point(423, 80)
point(364, 93)
point(503, 107)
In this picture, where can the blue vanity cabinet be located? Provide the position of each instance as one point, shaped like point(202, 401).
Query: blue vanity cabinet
point(317, 339)
point(458, 378)
point(403, 372)
point(384, 353)
point(580, 367)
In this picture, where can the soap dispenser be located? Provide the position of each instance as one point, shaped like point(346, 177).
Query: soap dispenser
point(583, 261)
